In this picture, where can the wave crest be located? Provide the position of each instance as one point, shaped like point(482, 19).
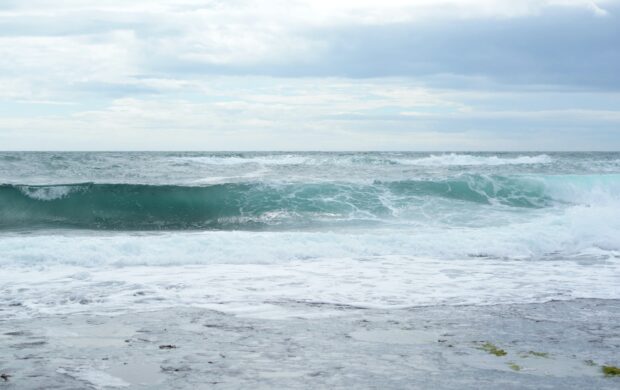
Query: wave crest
point(290, 206)
point(453, 159)
point(449, 159)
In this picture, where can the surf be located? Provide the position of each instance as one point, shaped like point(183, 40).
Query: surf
point(257, 205)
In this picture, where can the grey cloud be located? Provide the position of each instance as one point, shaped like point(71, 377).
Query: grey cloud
point(561, 47)
point(571, 48)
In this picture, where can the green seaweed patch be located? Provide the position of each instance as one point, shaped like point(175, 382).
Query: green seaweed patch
point(611, 370)
point(514, 366)
point(538, 354)
point(493, 349)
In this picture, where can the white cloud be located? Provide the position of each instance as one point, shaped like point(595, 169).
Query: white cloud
point(105, 40)
point(263, 113)
point(137, 75)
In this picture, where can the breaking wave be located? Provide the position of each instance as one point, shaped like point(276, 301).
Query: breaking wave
point(446, 159)
point(248, 206)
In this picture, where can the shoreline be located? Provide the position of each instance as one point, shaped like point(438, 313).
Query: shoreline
point(560, 344)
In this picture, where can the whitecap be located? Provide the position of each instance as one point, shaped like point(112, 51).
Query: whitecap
point(453, 159)
point(47, 193)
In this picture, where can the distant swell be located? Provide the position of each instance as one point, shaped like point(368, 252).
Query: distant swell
point(248, 206)
point(446, 159)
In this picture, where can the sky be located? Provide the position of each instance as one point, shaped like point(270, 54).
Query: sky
point(423, 75)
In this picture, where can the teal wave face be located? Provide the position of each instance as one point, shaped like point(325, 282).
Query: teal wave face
point(252, 205)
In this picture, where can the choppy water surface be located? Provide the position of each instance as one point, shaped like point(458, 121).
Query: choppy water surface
point(417, 228)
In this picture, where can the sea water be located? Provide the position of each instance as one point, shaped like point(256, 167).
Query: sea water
point(263, 234)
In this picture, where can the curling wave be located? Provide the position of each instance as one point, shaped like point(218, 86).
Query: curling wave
point(248, 206)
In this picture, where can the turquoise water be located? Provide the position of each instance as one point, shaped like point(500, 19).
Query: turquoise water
point(571, 200)
point(244, 230)
point(293, 191)
point(251, 205)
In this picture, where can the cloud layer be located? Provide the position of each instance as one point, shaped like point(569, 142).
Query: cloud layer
point(333, 75)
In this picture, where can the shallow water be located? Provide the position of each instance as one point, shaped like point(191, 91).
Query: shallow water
point(551, 345)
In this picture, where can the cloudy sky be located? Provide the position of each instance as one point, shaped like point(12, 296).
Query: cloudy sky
point(310, 75)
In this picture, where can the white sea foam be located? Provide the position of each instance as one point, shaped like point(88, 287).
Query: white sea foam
point(448, 159)
point(453, 159)
point(591, 190)
point(440, 159)
point(563, 231)
point(562, 253)
point(255, 174)
point(259, 290)
point(47, 192)
point(277, 159)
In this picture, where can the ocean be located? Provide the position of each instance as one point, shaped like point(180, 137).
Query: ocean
point(271, 234)
point(309, 270)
